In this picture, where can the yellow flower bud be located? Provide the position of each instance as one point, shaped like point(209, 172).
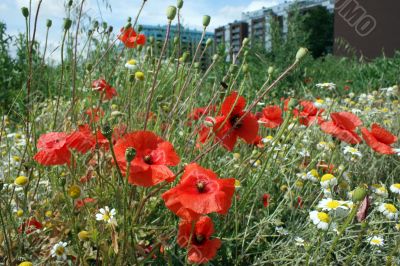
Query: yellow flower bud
point(84, 235)
point(20, 213)
point(48, 214)
point(25, 263)
point(139, 76)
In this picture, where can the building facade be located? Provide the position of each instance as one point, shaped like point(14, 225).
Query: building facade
point(256, 25)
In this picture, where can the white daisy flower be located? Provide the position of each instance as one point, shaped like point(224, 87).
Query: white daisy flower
point(324, 146)
point(389, 210)
point(59, 251)
point(353, 152)
point(313, 175)
point(320, 219)
point(282, 231)
point(395, 188)
point(330, 204)
point(319, 103)
point(299, 241)
point(327, 192)
point(106, 215)
point(380, 190)
point(267, 139)
point(327, 85)
point(375, 241)
point(328, 180)
point(131, 65)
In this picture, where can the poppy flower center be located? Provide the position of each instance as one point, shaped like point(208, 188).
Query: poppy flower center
point(201, 186)
point(233, 120)
point(147, 159)
point(199, 239)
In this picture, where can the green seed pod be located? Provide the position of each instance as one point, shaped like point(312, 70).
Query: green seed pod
point(184, 57)
point(89, 67)
point(130, 154)
point(179, 4)
point(209, 42)
point(206, 20)
point(151, 40)
point(245, 68)
point(67, 24)
point(107, 131)
point(197, 65)
point(270, 70)
point(171, 12)
point(245, 41)
point(301, 53)
point(104, 25)
point(25, 11)
point(70, 2)
point(49, 23)
point(359, 194)
point(110, 29)
point(215, 57)
point(129, 19)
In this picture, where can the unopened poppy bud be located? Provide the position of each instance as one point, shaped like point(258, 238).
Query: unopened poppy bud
point(107, 131)
point(176, 40)
point(139, 75)
point(104, 25)
point(209, 121)
point(70, 2)
point(95, 24)
point(292, 103)
point(184, 57)
point(110, 29)
point(74, 191)
point(206, 20)
point(67, 24)
point(209, 42)
point(139, 28)
point(129, 20)
point(151, 40)
point(130, 154)
point(301, 53)
point(271, 70)
point(25, 11)
point(179, 4)
point(84, 235)
point(245, 41)
point(246, 53)
point(21, 181)
point(49, 23)
point(90, 32)
point(359, 194)
point(196, 65)
point(215, 57)
point(245, 68)
point(89, 67)
point(171, 12)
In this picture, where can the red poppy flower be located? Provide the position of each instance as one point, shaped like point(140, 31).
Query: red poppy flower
point(201, 248)
point(199, 192)
point(82, 139)
point(225, 129)
point(53, 149)
point(29, 226)
point(103, 87)
point(271, 116)
point(309, 113)
point(379, 139)
point(94, 114)
point(265, 200)
point(130, 38)
point(82, 202)
point(299, 202)
point(342, 127)
point(153, 156)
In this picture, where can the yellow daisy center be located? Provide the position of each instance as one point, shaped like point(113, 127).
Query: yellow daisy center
point(375, 241)
point(60, 250)
point(314, 173)
point(106, 216)
point(327, 177)
point(390, 207)
point(396, 186)
point(320, 101)
point(132, 62)
point(324, 217)
point(334, 204)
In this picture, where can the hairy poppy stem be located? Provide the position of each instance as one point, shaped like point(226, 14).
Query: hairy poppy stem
point(153, 87)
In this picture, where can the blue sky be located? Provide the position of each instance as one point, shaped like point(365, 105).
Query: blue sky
point(221, 11)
